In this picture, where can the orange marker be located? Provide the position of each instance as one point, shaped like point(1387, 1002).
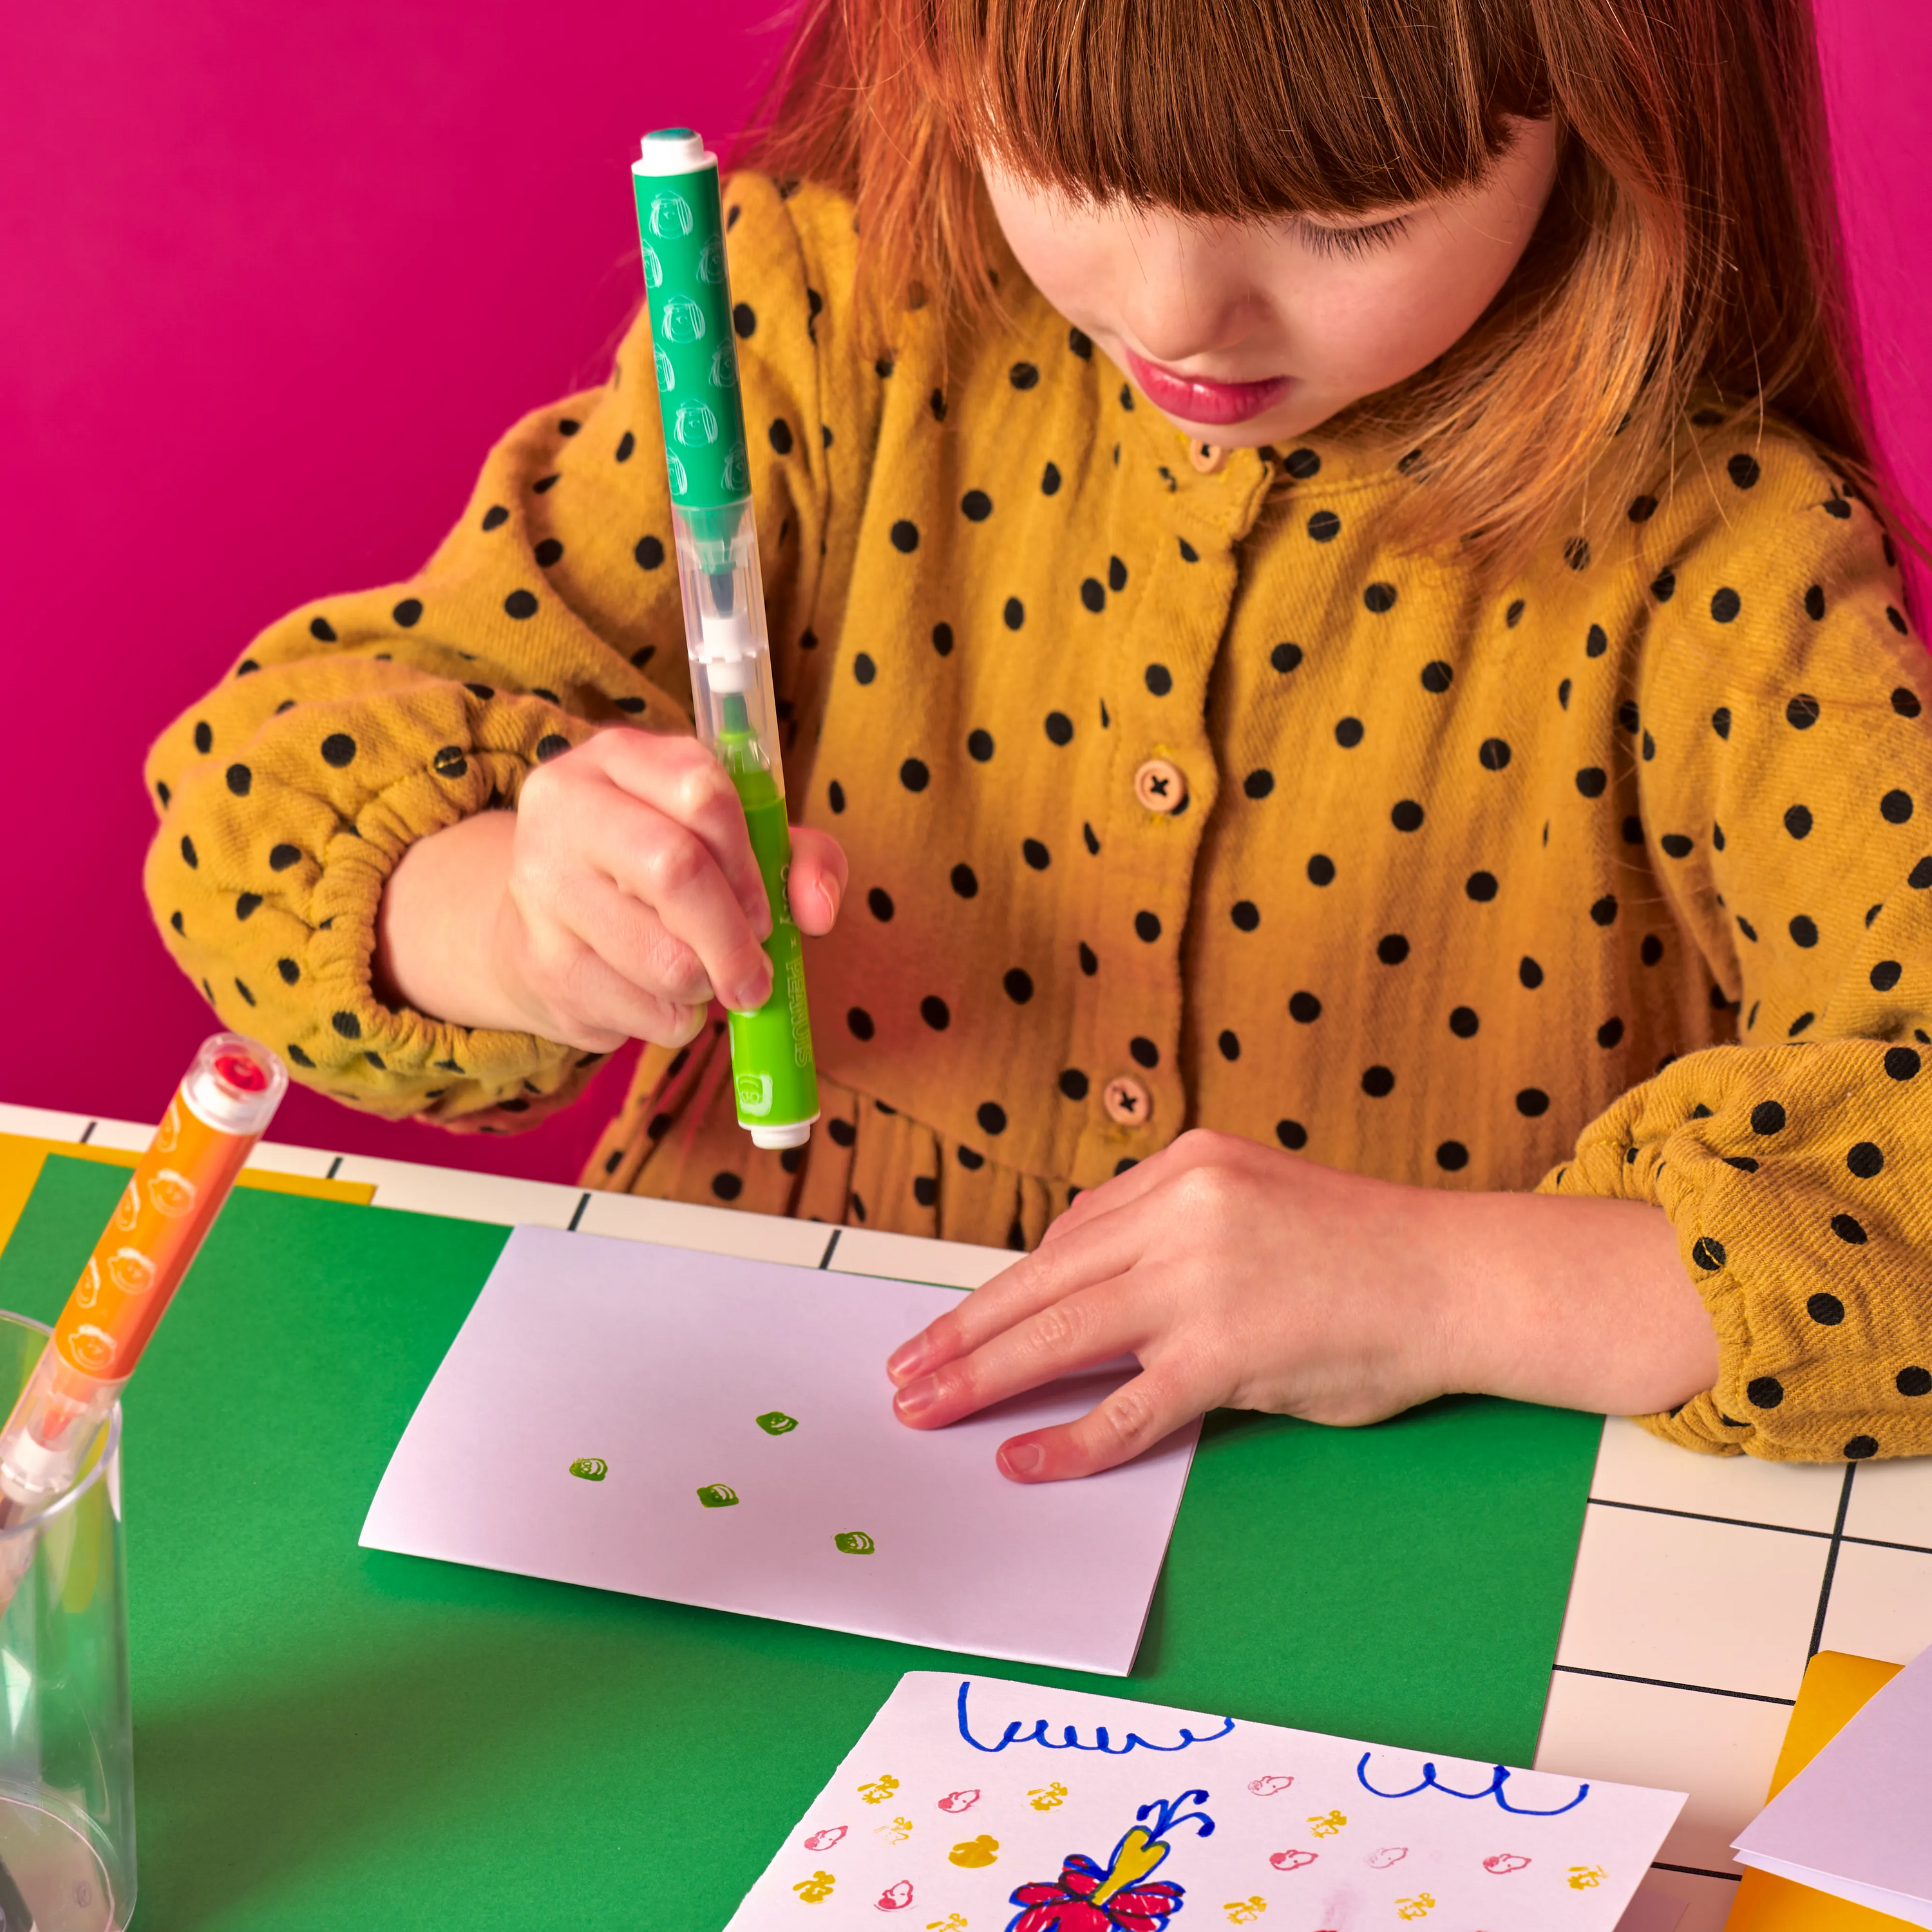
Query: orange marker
point(221, 1109)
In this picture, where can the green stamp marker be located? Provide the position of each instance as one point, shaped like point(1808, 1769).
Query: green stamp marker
point(688, 288)
point(592, 1468)
point(717, 1495)
point(775, 1422)
point(854, 1543)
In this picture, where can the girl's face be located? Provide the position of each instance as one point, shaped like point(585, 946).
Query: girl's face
point(1245, 333)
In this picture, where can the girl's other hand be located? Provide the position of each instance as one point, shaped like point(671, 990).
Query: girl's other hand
point(618, 900)
point(1244, 1278)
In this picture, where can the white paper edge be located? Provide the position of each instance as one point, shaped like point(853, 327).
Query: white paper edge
point(1899, 1905)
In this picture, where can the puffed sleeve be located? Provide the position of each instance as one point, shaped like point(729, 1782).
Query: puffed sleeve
point(1786, 777)
point(361, 722)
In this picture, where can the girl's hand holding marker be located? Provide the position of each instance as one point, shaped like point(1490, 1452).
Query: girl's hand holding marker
point(617, 900)
point(1328, 567)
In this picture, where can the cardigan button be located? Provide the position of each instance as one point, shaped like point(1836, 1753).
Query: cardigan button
point(1207, 457)
point(1160, 786)
point(1128, 1102)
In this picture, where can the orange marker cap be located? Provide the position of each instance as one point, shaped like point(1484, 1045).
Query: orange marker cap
point(221, 1109)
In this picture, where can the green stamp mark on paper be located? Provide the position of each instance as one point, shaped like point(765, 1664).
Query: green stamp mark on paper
point(717, 1495)
point(775, 1422)
point(592, 1468)
point(854, 1543)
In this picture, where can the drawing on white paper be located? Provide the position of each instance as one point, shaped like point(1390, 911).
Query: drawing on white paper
point(1167, 1820)
point(1089, 1897)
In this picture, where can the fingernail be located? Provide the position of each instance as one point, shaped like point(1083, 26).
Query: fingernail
point(1021, 1458)
point(829, 893)
point(916, 1398)
point(752, 994)
point(905, 1358)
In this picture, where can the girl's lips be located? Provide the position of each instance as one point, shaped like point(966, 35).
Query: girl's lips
point(1196, 401)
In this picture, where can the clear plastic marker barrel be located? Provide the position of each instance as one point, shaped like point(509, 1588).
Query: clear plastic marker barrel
point(221, 1109)
point(687, 285)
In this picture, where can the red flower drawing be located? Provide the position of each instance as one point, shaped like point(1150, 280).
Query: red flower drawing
point(1068, 1906)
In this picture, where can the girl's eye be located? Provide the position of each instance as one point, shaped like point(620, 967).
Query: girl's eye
point(1353, 242)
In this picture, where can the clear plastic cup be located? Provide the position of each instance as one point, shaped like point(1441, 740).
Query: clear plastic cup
point(67, 1756)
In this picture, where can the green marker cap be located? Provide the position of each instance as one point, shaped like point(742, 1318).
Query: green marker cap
point(688, 288)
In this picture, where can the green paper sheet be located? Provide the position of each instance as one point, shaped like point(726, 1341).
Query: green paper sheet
point(324, 1733)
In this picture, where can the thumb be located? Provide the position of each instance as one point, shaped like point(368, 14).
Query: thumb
point(817, 884)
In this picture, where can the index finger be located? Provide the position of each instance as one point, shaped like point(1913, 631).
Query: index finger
point(678, 777)
point(1108, 1247)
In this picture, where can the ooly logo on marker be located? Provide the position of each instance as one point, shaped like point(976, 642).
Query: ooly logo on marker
point(754, 1094)
point(591, 1468)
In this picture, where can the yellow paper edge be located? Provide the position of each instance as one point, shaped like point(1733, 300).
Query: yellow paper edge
point(1836, 1685)
point(22, 1155)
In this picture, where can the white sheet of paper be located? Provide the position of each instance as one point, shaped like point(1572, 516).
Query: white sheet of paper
point(656, 1363)
point(969, 1802)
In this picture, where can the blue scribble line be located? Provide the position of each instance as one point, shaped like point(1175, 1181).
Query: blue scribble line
point(1169, 1813)
point(1494, 1789)
point(1015, 1733)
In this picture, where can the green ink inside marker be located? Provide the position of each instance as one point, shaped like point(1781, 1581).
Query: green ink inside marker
point(687, 285)
point(592, 1468)
point(775, 1422)
point(854, 1543)
point(717, 1495)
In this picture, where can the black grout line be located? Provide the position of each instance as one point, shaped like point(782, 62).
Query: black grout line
point(1879, 1543)
point(825, 1259)
point(1747, 1522)
point(1699, 1515)
point(1697, 1871)
point(333, 1166)
point(87, 1133)
point(578, 1214)
point(1669, 1683)
point(1832, 1561)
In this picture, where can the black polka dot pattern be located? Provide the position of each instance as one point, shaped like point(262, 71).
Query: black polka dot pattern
point(1429, 903)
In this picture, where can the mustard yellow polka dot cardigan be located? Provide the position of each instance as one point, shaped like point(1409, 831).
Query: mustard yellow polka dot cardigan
point(1174, 797)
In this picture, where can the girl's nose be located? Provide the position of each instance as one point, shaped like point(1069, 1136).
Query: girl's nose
point(1178, 303)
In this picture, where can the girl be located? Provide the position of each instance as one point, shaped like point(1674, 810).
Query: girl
point(1327, 595)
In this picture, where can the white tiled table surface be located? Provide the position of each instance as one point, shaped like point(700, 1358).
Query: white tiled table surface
point(1702, 1584)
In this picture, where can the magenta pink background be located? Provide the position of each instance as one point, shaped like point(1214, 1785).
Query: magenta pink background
point(271, 278)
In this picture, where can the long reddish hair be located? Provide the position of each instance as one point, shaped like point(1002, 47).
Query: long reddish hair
point(1691, 245)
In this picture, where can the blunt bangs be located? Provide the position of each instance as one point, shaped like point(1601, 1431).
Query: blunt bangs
point(1236, 113)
